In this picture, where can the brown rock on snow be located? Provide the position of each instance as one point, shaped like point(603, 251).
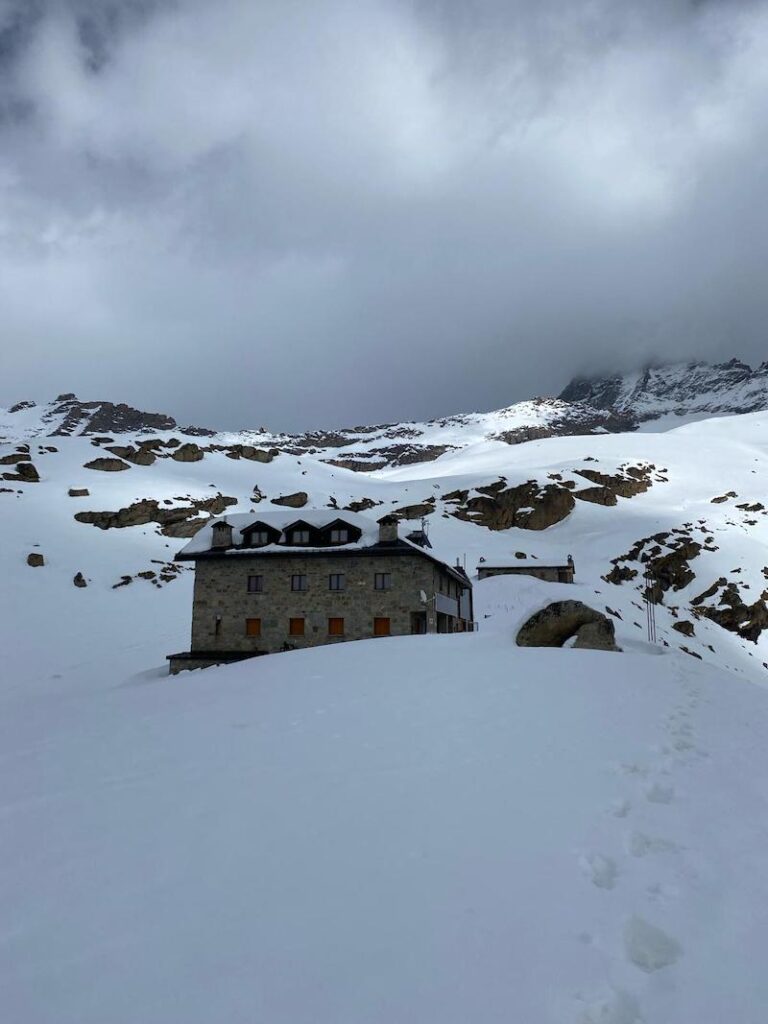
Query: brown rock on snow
point(78, 492)
point(297, 500)
point(79, 580)
point(35, 559)
point(107, 465)
point(562, 620)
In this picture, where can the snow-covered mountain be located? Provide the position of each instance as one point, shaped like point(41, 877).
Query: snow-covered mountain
point(418, 828)
point(688, 390)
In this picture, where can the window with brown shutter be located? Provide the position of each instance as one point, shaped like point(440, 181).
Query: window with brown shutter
point(253, 627)
point(296, 627)
point(381, 626)
point(335, 627)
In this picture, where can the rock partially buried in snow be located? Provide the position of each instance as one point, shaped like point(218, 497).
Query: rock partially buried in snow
point(554, 625)
point(35, 559)
point(648, 947)
point(78, 492)
point(79, 580)
point(107, 465)
point(296, 500)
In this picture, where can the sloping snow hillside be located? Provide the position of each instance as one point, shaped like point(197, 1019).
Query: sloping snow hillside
point(422, 829)
point(408, 829)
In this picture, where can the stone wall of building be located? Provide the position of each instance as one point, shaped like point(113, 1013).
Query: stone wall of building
point(549, 573)
point(221, 595)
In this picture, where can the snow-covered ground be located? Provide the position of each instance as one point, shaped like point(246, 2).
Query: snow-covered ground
point(420, 829)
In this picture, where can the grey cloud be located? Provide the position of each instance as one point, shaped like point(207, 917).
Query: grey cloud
point(307, 214)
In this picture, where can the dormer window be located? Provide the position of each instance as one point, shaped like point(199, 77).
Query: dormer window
point(300, 537)
point(339, 536)
point(259, 537)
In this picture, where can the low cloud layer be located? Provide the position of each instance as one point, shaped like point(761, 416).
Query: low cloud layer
point(306, 214)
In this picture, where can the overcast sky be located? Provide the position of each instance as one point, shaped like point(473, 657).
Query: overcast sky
point(325, 212)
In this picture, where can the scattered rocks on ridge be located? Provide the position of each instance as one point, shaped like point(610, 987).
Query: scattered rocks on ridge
point(179, 521)
point(529, 506)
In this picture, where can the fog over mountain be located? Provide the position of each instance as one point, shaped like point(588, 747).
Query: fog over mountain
point(327, 213)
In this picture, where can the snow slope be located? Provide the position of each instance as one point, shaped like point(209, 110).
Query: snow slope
point(423, 829)
point(411, 829)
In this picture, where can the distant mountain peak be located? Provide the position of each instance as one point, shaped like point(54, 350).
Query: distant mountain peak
point(682, 389)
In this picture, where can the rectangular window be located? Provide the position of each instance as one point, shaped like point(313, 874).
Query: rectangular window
point(383, 581)
point(217, 626)
point(259, 537)
point(339, 536)
point(300, 537)
point(336, 581)
point(381, 626)
point(335, 627)
point(296, 627)
point(298, 582)
point(255, 584)
point(253, 627)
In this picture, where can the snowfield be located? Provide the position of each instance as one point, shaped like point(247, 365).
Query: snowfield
point(418, 829)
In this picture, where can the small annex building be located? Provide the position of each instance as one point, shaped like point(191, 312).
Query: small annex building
point(282, 580)
point(550, 573)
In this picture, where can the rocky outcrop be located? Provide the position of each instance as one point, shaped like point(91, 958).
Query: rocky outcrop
point(26, 473)
point(181, 521)
point(297, 500)
point(681, 389)
point(141, 456)
point(733, 613)
point(189, 452)
point(107, 465)
point(528, 506)
point(560, 621)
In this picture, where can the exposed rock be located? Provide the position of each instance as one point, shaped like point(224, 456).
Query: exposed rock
point(25, 473)
point(181, 521)
point(139, 456)
point(414, 511)
point(392, 455)
point(78, 492)
point(596, 636)
point(246, 451)
point(21, 405)
point(723, 497)
point(561, 620)
point(79, 580)
point(297, 500)
point(362, 505)
point(11, 460)
point(684, 626)
point(189, 452)
point(107, 465)
point(733, 614)
point(528, 506)
point(620, 574)
point(597, 495)
point(35, 559)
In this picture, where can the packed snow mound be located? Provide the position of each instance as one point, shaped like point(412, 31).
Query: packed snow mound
point(443, 828)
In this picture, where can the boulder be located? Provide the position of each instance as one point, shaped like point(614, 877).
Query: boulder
point(79, 580)
point(107, 465)
point(562, 620)
point(78, 492)
point(35, 559)
point(25, 473)
point(684, 626)
point(297, 500)
point(188, 453)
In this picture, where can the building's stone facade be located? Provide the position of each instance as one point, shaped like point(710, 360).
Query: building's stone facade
point(424, 596)
point(549, 573)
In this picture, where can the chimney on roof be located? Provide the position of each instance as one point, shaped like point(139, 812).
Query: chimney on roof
point(388, 530)
point(221, 536)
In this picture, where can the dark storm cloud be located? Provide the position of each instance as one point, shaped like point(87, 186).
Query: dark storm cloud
point(312, 213)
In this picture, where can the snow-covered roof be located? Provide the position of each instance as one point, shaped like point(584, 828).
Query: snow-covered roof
point(280, 520)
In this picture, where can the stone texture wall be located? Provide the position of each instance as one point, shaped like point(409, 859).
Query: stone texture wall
point(221, 590)
point(549, 573)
